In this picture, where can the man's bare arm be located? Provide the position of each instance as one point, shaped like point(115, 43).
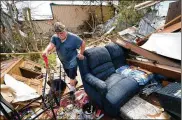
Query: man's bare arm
point(82, 48)
point(48, 49)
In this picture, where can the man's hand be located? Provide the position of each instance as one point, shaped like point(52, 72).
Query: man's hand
point(48, 49)
point(44, 53)
point(80, 56)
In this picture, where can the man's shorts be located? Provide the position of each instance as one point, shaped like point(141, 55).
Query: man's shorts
point(71, 73)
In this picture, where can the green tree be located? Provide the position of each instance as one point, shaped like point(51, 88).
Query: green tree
point(128, 15)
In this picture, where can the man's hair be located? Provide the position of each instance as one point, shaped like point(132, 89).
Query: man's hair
point(59, 27)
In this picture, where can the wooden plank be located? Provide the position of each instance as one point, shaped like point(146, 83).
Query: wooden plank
point(13, 69)
point(32, 66)
point(167, 71)
point(145, 53)
point(143, 4)
point(32, 62)
point(22, 104)
point(171, 28)
point(21, 53)
point(6, 64)
point(147, 5)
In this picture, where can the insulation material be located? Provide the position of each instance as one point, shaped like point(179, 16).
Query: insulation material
point(22, 91)
point(34, 83)
point(166, 44)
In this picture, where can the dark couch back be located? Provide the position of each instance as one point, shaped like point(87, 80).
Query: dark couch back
point(99, 62)
point(117, 54)
point(102, 61)
point(83, 67)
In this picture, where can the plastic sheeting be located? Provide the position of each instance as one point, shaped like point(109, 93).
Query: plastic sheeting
point(166, 44)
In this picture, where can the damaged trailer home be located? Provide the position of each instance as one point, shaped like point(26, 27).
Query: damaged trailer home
point(134, 76)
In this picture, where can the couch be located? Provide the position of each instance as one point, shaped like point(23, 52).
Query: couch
point(106, 88)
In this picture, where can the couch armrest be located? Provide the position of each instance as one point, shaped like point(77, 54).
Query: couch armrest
point(95, 82)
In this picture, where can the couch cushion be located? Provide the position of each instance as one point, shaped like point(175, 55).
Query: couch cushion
point(117, 54)
point(96, 83)
point(121, 91)
point(99, 62)
point(113, 79)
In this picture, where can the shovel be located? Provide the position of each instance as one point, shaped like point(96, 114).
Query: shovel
point(49, 80)
point(47, 73)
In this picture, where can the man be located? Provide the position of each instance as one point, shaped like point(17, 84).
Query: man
point(66, 45)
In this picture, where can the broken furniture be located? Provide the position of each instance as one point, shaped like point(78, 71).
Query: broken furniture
point(170, 98)
point(137, 108)
point(20, 67)
point(153, 62)
point(104, 86)
point(49, 101)
point(25, 72)
point(11, 113)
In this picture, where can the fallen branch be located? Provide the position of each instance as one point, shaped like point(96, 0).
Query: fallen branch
point(101, 39)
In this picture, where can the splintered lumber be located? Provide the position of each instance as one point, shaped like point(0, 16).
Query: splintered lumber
point(21, 67)
point(20, 53)
point(31, 67)
point(167, 71)
point(145, 53)
point(172, 28)
point(22, 104)
point(98, 40)
point(13, 68)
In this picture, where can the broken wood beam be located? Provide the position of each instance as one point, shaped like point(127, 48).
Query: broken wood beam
point(22, 104)
point(167, 71)
point(14, 68)
point(171, 28)
point(20, 53)
point(145, 53)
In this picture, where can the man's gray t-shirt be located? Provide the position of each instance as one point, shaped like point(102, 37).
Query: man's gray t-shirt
point(67, 50)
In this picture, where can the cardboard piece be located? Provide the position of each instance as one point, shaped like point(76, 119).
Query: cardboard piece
point(7, 93)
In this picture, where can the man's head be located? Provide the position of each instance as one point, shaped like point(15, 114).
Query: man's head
point(59, 28)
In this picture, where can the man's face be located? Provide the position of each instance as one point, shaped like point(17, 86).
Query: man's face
point(61, 35)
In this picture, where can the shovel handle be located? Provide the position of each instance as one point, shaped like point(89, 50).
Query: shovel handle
point(46, 61)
